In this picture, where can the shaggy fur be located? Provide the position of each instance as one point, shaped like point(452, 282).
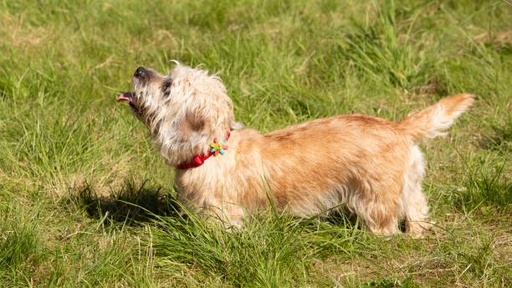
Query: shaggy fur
point(368, 166)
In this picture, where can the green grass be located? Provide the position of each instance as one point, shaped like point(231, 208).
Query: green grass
point(86, 201)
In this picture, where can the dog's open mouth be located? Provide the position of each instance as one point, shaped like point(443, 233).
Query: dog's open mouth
point(131, 99)
point(126, 97)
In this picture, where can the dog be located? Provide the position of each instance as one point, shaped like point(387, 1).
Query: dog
point(365, 166)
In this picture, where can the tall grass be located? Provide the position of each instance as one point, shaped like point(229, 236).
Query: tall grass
point(273, 251)
point(84, 199)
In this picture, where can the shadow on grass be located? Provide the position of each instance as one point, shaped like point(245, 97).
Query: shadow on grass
point(134, 203)
point(130, 204)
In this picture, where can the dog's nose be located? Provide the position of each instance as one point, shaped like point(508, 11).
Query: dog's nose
point(140, 72)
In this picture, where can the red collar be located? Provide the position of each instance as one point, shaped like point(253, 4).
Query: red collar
point(198, 160)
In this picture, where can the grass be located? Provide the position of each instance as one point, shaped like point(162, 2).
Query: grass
point(85, 200)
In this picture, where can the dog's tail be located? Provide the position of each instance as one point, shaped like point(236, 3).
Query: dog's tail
point(433, 121)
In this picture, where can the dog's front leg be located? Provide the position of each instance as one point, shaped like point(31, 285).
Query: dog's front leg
point(229, 215)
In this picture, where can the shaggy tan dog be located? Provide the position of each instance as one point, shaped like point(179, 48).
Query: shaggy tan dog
point(367, 166)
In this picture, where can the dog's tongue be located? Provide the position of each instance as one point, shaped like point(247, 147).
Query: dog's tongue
point(125, 97)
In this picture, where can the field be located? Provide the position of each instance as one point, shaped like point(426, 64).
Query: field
point(86, 201)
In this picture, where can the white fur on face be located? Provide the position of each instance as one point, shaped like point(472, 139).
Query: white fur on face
point(185, 111)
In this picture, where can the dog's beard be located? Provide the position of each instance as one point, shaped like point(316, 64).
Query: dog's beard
point(175, 138)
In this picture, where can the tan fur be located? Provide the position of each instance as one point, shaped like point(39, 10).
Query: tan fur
point(364, 165)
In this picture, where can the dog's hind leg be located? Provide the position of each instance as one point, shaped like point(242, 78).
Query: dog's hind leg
point(377, 210)
point(415, 209)
point(382, 219)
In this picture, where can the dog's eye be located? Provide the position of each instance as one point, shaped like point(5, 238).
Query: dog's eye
point(166, 86)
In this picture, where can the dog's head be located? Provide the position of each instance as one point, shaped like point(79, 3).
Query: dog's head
point(184, 110)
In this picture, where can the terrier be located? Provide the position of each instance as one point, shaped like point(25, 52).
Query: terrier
point(363, 165)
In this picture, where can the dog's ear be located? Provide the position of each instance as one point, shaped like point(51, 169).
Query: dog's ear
point(195, 121)
point(191, 123)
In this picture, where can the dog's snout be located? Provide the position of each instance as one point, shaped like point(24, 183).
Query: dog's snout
point(140, 72)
